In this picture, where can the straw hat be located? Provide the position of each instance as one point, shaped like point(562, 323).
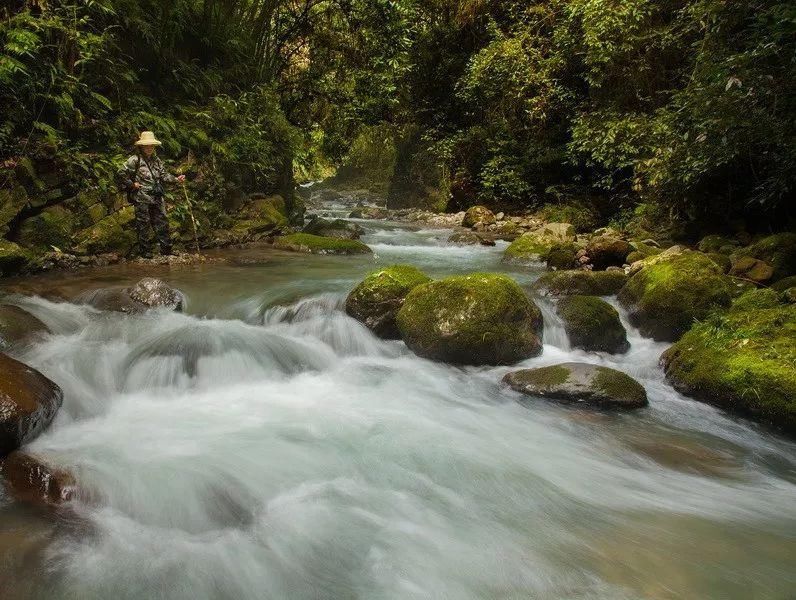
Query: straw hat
point(148, 139)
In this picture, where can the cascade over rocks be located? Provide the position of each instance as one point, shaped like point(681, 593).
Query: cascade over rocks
point(18, 326)
point(31, 479)
point(28, 402)
point(742, 360)
point(375, 302)
point(477, 319)
point(478, 216)
point(148, 293)
point(592, 324)
point(580, 383)
point(338, 228)
point(588, 283)
point(666, 297)
point(316, 244)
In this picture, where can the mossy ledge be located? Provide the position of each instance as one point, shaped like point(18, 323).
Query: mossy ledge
point(743, 361)
point(316, 244)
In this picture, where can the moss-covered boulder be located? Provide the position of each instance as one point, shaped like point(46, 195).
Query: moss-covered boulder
point(316, 244)
point(722, 261)
point(18, 326)
point(585, 283)
point(562, 257)
point(12, 201)
point(742, 360)
point(336, 228)
point(113, 234)
point(30, 478)
point(581, 384)
point(641, 249)
point(477, 319)
point(478, 216)
point(607, 250)
point(778, 250)
point(13, 258)
point(377, 299)
point(784, 284)
point(717, 243)
point(534, 246)
point(28, 402)
point(667, 254)
point(53, 226)
point(592, 324)
point(664, 299)
point(751, 269)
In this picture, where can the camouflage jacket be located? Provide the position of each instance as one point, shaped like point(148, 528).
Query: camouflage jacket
point(150, 173)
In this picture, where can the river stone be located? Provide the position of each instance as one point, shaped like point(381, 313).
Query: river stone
point(316, 244)
point(580, 383)
point(18, 326)
point(717, 243)
point(31, 479)
point(587, 283)
point(666, 298)
point(778, 250)
point(377, 299)
point(752, 269)
point(477, 319)
point(592, 324)
point(607, 250)
point(369, 212)
point(469, 238)
point(148, 293)
point(561, 257)
point(535, 245)
point(28, 402)
point(338, 228)
point(478, 215)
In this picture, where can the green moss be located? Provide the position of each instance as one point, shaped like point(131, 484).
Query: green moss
point(534, 245)
point(743, 361)
point(665, 298)
point(115, 233)
point(721, 260)
point(716, 243)
point(581, 217)
point(481, 318)
point(756, 300)
point(592, 324)
point(561, 257)
point(52, 227)
point(13, 258)
point(784, 284)
point(11, 202)
point(546, 376)
point(315, 244)
point(619, 385)
point(778, 250)
point(589, 283)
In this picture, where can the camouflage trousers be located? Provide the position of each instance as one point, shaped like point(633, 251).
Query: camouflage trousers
point(150, 216)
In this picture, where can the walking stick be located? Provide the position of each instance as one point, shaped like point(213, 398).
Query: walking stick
point(193, 220)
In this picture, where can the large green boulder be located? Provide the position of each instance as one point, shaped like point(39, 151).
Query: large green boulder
point(717, 243)
point(562, 257)
point(336, 228)
point(13, 258)
point(115, 233)
point(664, 299)
point(478, 216)
point(477, 319)
point(588, 283)
point(592, 324)
point(51, 227)
point(377, 299)
point(534, 246)
point(581, 384)
point(316, 244)
point(778, 250)
point(742, 360)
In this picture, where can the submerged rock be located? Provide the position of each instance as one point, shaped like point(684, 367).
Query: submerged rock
point(28, 402)
point(316, 244)
point(580, 383)
point(592, 324)
point(742, 360)
point(665, 298)
point(477, 319)
point(146, 294)
point(18, 326)
point(586, 283)
point(31, 479)
point(376, 301)
point(338, 228)
point(478, 216)
point(535, 245)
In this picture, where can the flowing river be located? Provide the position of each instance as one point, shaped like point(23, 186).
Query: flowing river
point(263, 445)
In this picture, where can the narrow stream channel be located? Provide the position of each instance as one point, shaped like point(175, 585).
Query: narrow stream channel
point(265, 445)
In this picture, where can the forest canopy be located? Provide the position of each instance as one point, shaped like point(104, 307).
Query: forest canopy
point(680, 107)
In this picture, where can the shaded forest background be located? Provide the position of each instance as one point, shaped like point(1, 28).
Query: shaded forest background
point(673, 110)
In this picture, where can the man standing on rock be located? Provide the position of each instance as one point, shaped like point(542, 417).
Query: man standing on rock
point(144, 176)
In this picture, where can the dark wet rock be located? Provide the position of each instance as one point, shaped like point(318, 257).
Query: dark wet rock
point(664, 299)
point(580, 383)
point(146, 294)
point(28, 402)
point(376, 301)
point(337, 228)
point(469, 238)
point(607, 250)
point(316, 244)
point(592, 324)
point(30, 478)
point(562, 257)
point(13, 258)
point(18, 326)
point(742, 360)
point(751, 269)
point(586, 283)
point(478, 216)
point(477, 319)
